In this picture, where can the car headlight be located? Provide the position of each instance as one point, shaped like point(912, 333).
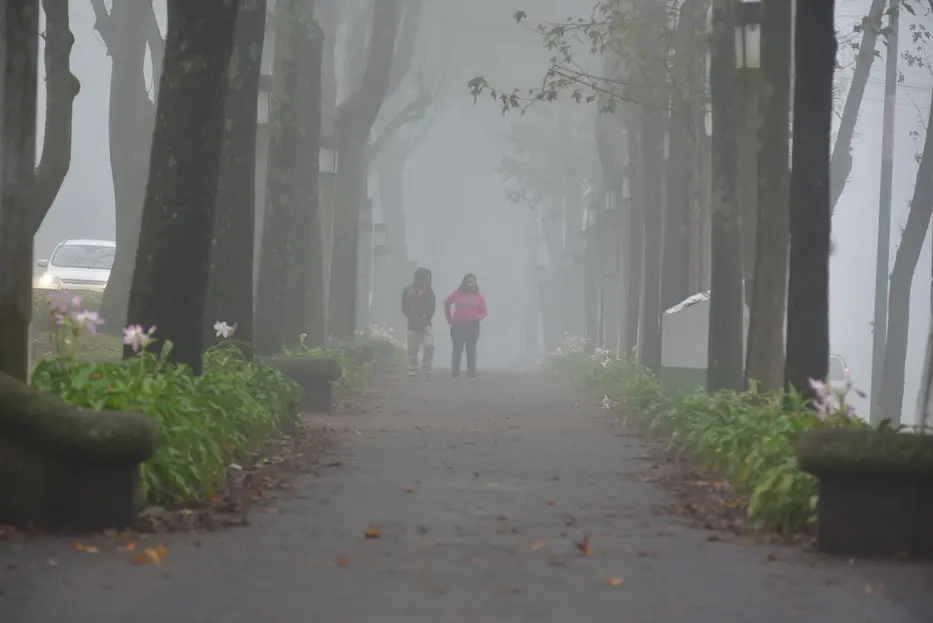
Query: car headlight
point(50, 282)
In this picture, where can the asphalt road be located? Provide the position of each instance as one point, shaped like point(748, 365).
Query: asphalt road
point(480, 495)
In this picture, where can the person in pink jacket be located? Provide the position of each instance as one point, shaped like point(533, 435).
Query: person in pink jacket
point(465, 307)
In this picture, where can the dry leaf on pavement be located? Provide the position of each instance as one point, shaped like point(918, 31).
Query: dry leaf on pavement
point(537, 544)
point(584, 546)
point(612, 581)
point(372, 533)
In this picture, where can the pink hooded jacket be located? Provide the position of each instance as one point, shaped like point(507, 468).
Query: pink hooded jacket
point(467, 307)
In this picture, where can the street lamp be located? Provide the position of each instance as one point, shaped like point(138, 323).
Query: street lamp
point(328, 155)
point(747, 34)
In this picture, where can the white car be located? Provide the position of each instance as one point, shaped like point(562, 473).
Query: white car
point(77, 265)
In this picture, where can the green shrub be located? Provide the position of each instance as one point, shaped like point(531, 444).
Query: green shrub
point(205, 422)
point(749, 438)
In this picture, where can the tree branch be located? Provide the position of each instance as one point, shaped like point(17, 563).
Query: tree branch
point(156, 44)
point(358, 112)
point(103, 23)
point(841, 161)
point(407, 43)
point(61, 87)
point(412, 111)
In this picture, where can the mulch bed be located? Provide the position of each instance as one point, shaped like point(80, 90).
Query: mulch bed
point(254, 485)
point(705, 498)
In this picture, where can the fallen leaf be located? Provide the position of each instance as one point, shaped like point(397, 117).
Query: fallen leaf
point(342, 562)
point(410, 490)
point(612, 581)
point(372, 533)
point(584, 546)
point(52, 562)
point(128, 547)
point(537, 544)
point(477, 561)
point(551, 502)
point(88, 549)
point(156, 554)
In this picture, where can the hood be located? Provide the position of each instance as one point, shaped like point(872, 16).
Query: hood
point(422, 275)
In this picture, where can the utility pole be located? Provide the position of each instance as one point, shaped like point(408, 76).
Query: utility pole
point(883, 252)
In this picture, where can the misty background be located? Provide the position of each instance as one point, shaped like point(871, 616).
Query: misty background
point(459, 218)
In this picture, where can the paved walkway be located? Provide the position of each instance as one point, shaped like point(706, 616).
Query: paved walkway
point(481, 490)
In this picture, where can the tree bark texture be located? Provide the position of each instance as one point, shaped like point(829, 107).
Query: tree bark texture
point(726, 322)
point(19, 26)
point(810, 200)
point(171, 276)
point(290, 293)
point(355, 118)
point(230, 289)
point(891, 396)
point(765, 353)
point(127, 31)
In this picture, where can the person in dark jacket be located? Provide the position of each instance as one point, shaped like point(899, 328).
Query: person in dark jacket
point(419, 305)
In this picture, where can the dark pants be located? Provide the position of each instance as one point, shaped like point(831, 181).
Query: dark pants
point(464, 335)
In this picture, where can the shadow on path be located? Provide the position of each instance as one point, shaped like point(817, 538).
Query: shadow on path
point(482, 492)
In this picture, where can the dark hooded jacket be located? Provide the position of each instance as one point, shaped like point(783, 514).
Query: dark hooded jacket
point(418, 301)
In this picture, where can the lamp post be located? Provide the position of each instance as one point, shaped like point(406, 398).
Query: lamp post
point(748, 69)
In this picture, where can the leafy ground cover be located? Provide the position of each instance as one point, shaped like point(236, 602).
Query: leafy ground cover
point(748, 438)
point(211, 426)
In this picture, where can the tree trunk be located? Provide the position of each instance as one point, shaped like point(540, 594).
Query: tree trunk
point(636, 251)
point(765, 354)
point(891, 392)
point(810, 201)
point(678, 218)
point(131, 117)
point(61, 87)
point(355, 118)
point(390, 175)
point(230, 290)
point(747, 169)
point(725, 361)
point(20, 56)
point(304, 293)
point(173, 259)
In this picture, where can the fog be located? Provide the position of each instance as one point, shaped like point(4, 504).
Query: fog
point(459, 218)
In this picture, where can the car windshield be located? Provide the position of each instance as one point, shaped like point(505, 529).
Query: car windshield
point(837, 371)
point(83, 256)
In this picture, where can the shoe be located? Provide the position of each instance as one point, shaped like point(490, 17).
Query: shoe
point(427, 376)
point(413, 375)
point(455, 373)
point(472, 374)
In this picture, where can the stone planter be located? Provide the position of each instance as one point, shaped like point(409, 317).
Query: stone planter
point(315, 377)
point(68, 470)
point(876, 491)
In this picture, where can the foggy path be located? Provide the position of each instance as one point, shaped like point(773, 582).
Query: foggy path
point(481, 490)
